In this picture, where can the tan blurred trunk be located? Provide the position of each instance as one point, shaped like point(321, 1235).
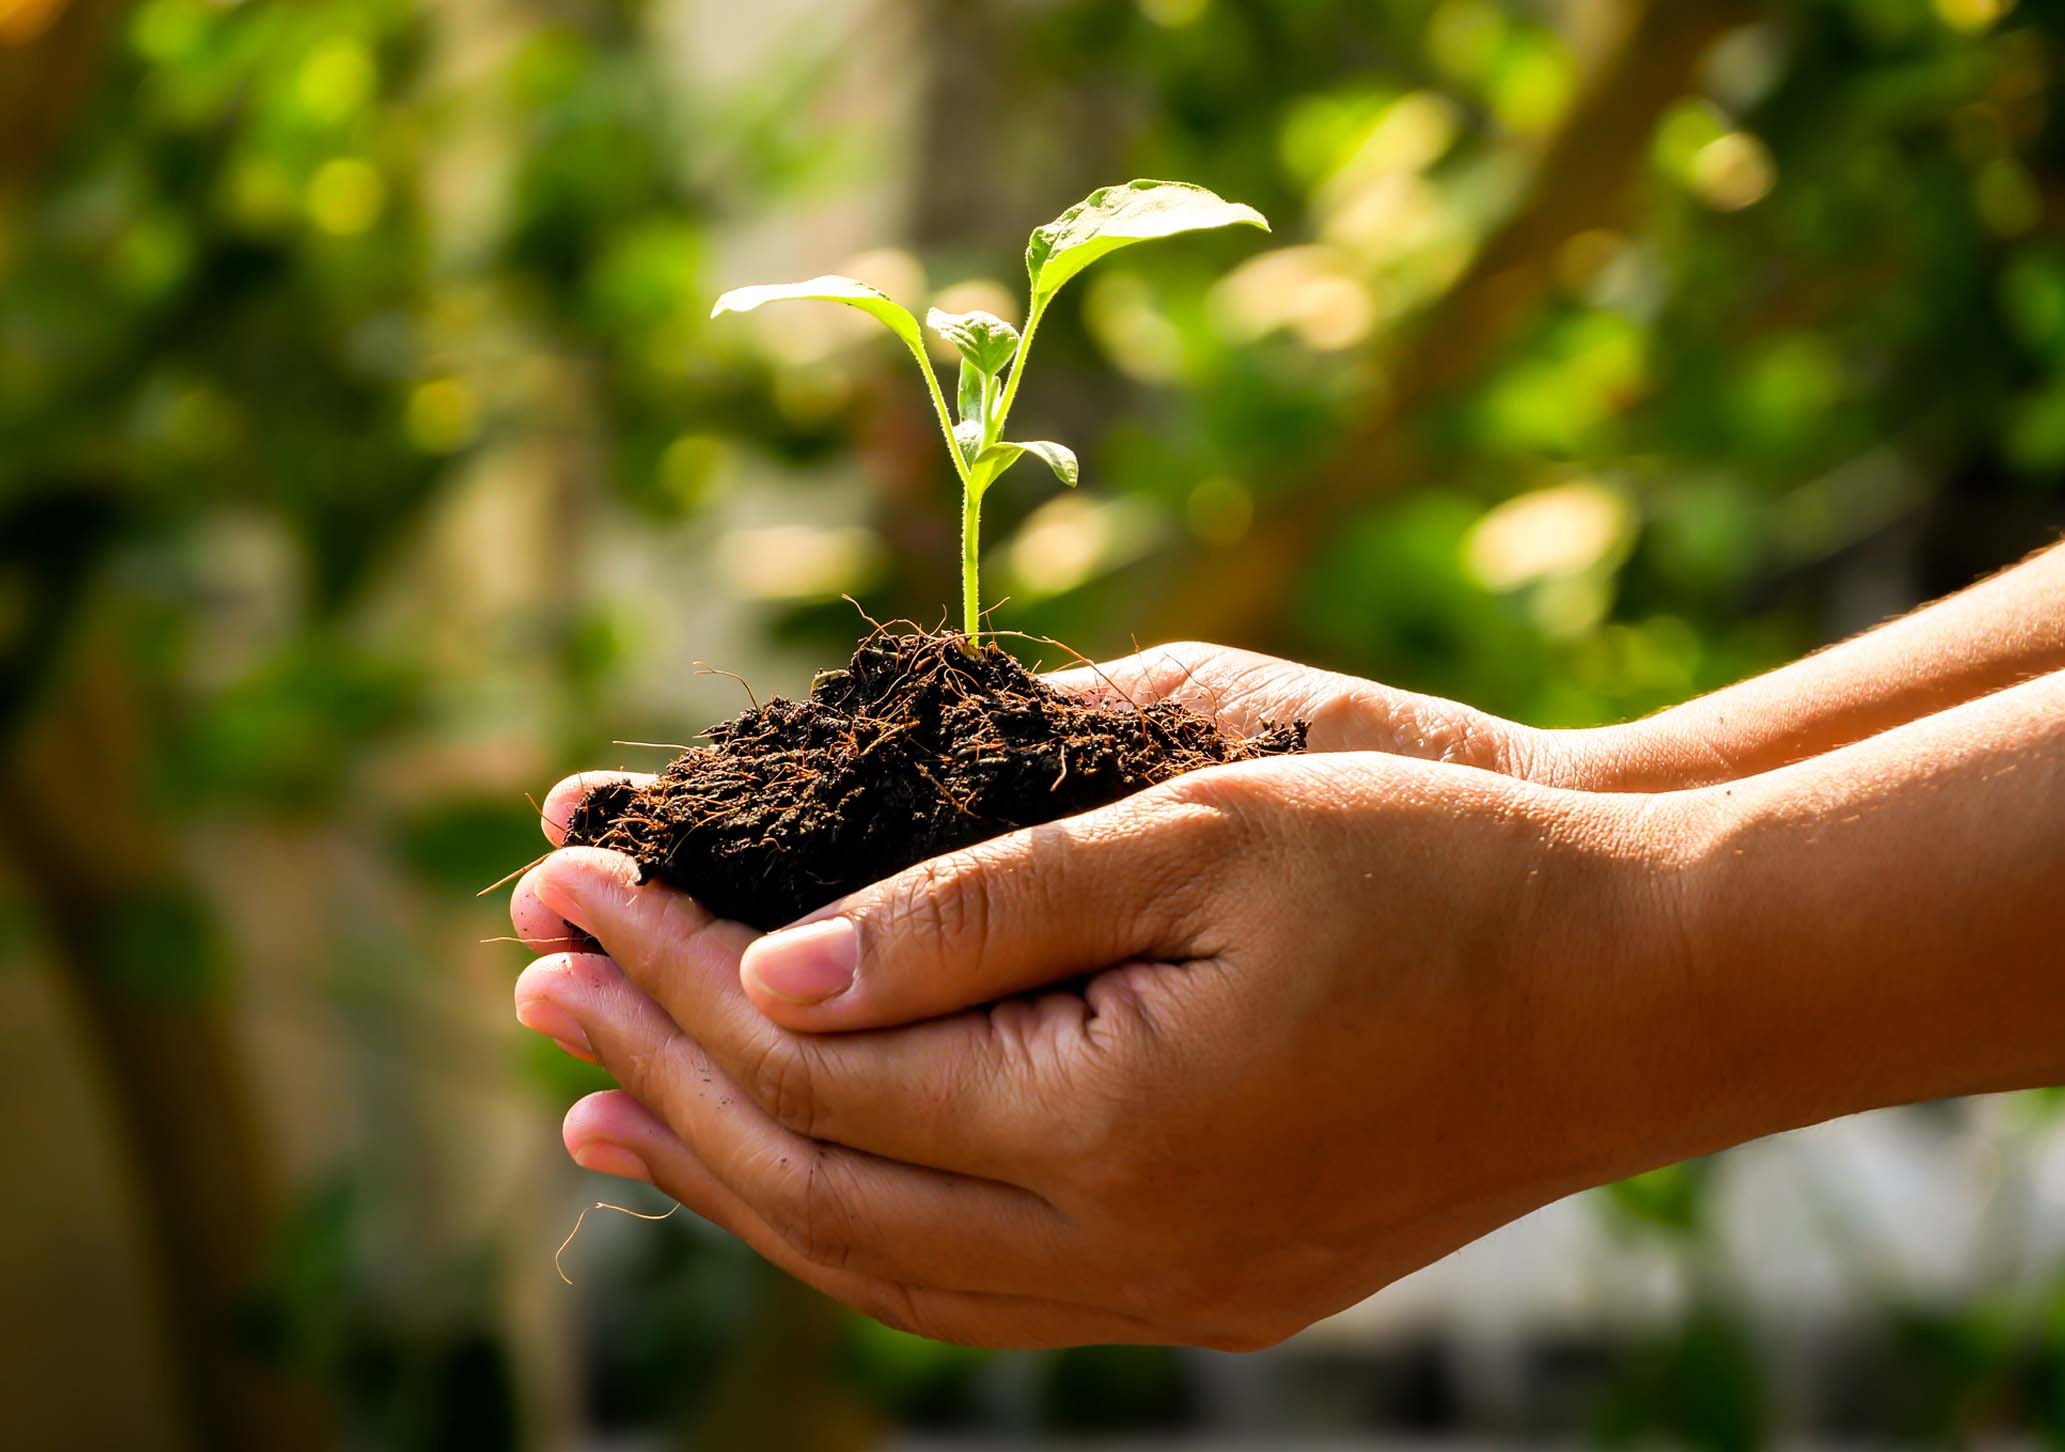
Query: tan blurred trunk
point(782, 1386)
point(51, 54)
point(184, 1115)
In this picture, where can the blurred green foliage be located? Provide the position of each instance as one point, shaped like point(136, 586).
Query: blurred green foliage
point(1701, 1385)
point(1754, 359)
point(423, 1376)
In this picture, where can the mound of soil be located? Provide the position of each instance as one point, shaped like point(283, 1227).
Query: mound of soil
point(916, 748)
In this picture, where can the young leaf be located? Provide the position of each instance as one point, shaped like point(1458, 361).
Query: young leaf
point(983, 339)
point(1058, 457)
point(1114, 217)
point(969, 402)
point(829, 288)
point(834, 288)
point(968, 439)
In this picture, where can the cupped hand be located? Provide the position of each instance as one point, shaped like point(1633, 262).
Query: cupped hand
point(1323, 1019)
point(1245, 691)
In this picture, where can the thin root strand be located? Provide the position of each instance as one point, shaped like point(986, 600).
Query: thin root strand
point(581, 1219)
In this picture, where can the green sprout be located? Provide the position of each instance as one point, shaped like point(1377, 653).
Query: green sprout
point(990, 348)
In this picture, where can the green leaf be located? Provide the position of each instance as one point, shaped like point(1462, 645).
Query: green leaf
point(970, 401)
point(829, 288)
point(1058, 457)
point(1114, 217)
point(877, 304)
point(968, 439)
point(983, 339)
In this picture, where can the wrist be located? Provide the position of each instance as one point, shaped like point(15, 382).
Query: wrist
point(1781, 1040)
point(1867, 927)
point(1703, 1016)
point(1623, 1070)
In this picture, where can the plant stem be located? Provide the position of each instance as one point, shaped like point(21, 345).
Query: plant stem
point(971, 546)
point(971, 491)
point(971, 500)
point(1033, 313)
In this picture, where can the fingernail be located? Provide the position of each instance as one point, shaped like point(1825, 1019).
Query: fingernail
point(541, 1015)
point(805, 965)
point(610, 1159)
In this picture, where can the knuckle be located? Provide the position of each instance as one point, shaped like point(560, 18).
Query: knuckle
point(1203, 825)
point(825, 1236)
point(782, 1199)
point(1178, 665)
point(1208, 803)
point(946, 1078)
point(944, 1316)
point(648, 1073)
point(1527, 755)
point(664, 926)
point(944, 904)
point(780, 1080)
point(893, 1305)
point(1457, 735)
point(1188, 654)
point(629, 929)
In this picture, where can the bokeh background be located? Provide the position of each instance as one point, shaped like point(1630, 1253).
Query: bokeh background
point(367, 460)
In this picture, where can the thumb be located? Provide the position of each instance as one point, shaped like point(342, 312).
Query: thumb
point(1037, 907)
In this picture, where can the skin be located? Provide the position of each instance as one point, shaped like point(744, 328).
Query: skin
point(1999, 632)
point(1230, 1055)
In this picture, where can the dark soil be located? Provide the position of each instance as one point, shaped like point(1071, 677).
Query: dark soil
point(915, 749)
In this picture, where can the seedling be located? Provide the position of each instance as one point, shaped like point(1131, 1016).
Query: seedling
point(993, 353)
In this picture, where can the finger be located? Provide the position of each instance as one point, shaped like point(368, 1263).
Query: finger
point(538, 927)
point(1022, 912)
point(613, 1133)
point(558, 807)
point(1246, 692)
point(841, 1208)
point(1241, 689)
point(953, 1094)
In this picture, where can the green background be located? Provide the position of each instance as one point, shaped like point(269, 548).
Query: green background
point(368, 460)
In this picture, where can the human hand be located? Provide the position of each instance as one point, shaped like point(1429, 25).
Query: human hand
point(1246, 690)
point(2007, 629)
point(1343, 1013)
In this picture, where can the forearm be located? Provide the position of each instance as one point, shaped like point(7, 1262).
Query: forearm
point(1882, 924)
point(1999, 632)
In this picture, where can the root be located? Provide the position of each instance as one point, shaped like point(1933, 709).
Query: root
point(704, 668)
point(1077, 656)
point(508, 878)
point(581, 1218)
point(875, 624)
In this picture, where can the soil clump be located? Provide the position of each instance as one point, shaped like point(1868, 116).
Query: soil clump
point(917, 747)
